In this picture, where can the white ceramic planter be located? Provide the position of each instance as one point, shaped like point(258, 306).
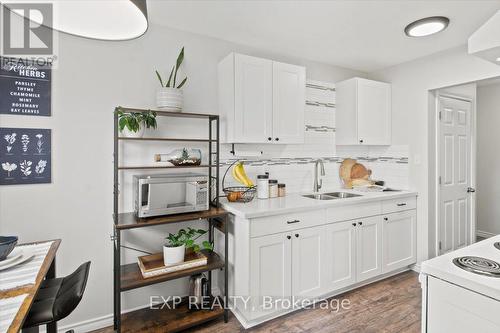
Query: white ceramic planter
point(173, 255)
point(169, 99)
point(129, 134)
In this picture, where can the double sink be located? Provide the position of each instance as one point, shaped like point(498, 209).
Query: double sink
point(331, 196)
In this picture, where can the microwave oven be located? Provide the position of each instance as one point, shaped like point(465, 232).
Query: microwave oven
point(167, 194)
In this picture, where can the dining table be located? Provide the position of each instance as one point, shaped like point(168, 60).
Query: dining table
point(21, 297)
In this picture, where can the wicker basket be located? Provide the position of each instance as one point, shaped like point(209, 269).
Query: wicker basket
point(238, 193)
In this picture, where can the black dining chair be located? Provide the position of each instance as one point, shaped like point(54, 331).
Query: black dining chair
point(56, 299)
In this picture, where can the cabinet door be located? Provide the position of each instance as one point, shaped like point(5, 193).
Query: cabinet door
point(308, 262)
point(253, 100)
point(340, 259)
point(270, 269)
point(369, 248)
point(399, 240)
point(289, 85)
point(374, 112)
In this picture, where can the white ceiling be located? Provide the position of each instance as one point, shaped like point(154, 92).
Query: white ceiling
point(363, 35)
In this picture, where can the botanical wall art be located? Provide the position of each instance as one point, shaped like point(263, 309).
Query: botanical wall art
point(25, 88)
point(25, 156)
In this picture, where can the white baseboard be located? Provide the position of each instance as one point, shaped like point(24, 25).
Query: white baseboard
point(416, 268)
point(484, 234)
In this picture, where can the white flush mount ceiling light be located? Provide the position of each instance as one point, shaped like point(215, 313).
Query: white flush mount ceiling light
point(95, 19)
point(427, 26)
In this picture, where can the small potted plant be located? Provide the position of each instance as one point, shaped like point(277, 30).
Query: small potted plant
point(133, 124)
point(169, 95)
point(182, 241)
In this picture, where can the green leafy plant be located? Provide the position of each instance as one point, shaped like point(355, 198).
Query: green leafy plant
point(133, 120)
point(173, 73)
point(188, 238)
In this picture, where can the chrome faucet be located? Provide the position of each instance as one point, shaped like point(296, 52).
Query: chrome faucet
point(318, 183)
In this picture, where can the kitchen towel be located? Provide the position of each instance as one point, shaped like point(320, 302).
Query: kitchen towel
point(8, 310)
point(26, 272)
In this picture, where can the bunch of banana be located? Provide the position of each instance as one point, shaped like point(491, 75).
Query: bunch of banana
point(240, 175)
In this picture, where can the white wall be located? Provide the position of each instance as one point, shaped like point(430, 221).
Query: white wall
point(488, 157)
point(92, 78)
point(411, 83)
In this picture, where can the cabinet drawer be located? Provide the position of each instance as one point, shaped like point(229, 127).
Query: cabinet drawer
point(343, 213)
point(397, 205)
point(281, 223)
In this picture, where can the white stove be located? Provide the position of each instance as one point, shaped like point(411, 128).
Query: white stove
point(461, 290)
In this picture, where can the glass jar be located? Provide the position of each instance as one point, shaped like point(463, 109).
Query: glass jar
point(273, 188)
point(263, 187)
point(281, 190)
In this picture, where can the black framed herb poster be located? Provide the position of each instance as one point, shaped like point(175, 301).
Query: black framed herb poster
point(25, 156)
point(25, 87)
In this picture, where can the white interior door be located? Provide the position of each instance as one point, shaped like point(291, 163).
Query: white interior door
point(454, 151)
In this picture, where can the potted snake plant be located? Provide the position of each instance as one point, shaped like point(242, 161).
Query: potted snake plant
point(169, 95)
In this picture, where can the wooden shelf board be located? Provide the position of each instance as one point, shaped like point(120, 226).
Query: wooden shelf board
point(165, 139)
point(131, 276)
point(139, 167)
point(167, 320)
point(130, 221)
point(171, 114)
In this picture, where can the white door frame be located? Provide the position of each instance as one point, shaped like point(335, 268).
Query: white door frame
point(473, 160)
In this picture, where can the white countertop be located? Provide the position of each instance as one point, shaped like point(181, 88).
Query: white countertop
point(295, 202)
point(443, 268)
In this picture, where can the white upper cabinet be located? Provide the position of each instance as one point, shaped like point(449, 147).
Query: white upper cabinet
point(363, 115)
point(260, 100)
point(289, 83)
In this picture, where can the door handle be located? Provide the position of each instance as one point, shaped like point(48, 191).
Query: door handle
point(294, 221)
point(354, 224)
point(297, 235)
point(360, 223)
point(289, 237)
point(471, 190)
point(401, 204)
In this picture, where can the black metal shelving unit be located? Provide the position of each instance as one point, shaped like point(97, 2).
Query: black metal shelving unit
point(127, 277)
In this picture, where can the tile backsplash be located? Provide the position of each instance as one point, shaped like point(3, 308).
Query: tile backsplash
point(297, 172)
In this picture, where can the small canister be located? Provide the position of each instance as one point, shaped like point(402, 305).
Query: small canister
point(273, 188)
point(263, 186)
point(281, 190)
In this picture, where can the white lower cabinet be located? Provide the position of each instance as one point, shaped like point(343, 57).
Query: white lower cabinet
point(400, 235)
point(309, 267)
point(270, 269)
point(368, 248)
point(340, 260)
point(317, 260)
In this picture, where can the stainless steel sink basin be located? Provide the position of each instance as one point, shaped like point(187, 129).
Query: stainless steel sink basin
point(342, 195)
point(319, 196)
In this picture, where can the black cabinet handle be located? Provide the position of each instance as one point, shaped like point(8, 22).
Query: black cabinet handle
point(386, 219)
point(294, 221)
point(297, 235)
point(401, 204)
point(354, 224)
point(361, 141)
point(289, 237)
point(269, 138)
point(277, 139)
point(360, 223)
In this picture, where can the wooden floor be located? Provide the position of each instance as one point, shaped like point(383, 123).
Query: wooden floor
point(391, 305)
